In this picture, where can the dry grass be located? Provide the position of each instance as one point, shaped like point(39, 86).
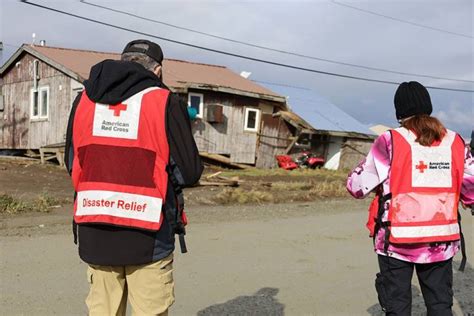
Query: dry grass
point(11, 205)
point(240, 196)
point(328, 189)
point(45, 202)
point(42, 203)
point(292, 186)
point(255, 172)
point(281, 192)
point(282, 186)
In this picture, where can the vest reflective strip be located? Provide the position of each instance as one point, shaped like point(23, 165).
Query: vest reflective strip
point(119, 204)
point(424, 231)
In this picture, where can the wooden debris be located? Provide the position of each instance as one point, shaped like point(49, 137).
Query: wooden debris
point(215, 179)
point(229, 183)
point(54, 151)
point(213, 175)
point(223, 160)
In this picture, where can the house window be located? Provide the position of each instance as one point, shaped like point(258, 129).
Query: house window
point(252, 117)
point(40, 103)
point(196, 101)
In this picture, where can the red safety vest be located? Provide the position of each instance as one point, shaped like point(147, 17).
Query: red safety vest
point(120, 157)
point(426, 183)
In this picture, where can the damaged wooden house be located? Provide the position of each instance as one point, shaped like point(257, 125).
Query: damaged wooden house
point(39, 84)
point(326, 130)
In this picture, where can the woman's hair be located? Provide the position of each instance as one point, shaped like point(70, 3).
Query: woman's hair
point(427, 129)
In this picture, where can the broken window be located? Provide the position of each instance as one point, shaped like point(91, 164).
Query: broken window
point(196, 101)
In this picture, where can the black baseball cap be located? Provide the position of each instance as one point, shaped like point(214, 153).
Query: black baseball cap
point(153, 51)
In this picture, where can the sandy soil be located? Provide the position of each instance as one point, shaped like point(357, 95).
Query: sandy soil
point(285, 259)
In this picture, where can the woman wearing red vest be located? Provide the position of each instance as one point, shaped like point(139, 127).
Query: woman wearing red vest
point(420, 170)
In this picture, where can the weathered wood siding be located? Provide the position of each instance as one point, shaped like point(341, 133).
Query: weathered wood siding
point(353, 151)
point(18, 131)
point(229, 137)
point(273, 140)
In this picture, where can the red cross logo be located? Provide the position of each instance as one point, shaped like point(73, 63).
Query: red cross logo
point(117, 108)
point(421, 166)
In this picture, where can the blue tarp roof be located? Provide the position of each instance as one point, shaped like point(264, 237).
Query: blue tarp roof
point(317, 111)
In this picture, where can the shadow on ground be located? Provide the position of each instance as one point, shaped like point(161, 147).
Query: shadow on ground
point(463, 294)
point(261, 303)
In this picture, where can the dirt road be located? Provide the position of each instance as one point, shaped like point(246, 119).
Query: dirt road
point(300, 259)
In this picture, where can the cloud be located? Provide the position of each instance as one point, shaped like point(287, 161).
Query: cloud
point(456, 117)
point(317, 28)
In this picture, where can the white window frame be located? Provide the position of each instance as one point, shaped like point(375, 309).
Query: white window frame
point(40, 115)
point(257, 120)
point(201, 104)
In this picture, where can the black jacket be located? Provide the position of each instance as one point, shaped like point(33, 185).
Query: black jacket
point(111, 82)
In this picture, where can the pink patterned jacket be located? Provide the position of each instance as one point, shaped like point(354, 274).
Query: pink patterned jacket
point(375, 170)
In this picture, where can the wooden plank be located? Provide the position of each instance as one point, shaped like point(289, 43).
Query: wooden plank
point(50, 157)
point(243, 143)
point(219, 183)
point(213, 175)
point(223, 160)
point(60, 158)
point(42, 156)
point(290, 146)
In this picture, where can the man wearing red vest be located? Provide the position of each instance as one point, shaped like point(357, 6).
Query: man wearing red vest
point(129, 150)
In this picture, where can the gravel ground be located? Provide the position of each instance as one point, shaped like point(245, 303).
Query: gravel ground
point(285, 259)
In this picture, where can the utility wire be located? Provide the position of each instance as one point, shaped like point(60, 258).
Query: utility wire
point(282, 85)
point(268, 48)
point(400, 20)
point(228, 53)
point(6, 44)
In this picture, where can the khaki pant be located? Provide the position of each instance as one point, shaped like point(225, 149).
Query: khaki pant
point(149, 288)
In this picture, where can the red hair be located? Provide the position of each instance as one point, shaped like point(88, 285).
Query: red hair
point(427, 128)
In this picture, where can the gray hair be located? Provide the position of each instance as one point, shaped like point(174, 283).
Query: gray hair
point(144, 60)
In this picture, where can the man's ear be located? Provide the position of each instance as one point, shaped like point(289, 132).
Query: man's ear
point(157, 71)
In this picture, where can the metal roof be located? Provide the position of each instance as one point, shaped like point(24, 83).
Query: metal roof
point(179, 75)
point(318, 111)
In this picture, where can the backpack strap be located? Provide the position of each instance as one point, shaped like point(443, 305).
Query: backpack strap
point(74, 224)
point(175, 211)
point(463, 246)
point(379, 223)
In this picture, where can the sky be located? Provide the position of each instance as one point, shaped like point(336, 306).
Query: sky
point(317, 28)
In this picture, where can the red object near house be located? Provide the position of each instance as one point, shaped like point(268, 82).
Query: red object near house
point(286, 162)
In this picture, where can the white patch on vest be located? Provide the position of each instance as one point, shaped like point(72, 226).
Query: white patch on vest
point(424, 231)
point(431, 167)
point(118, 204)
point(120, 120)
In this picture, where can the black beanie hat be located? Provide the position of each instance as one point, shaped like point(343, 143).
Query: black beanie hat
point(412, 98)
point(153, 51)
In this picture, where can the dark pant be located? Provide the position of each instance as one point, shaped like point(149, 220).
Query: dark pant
point(393, 286)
